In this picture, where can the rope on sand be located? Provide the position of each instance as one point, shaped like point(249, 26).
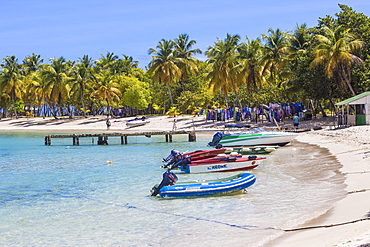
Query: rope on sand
point(357, 191)
point(326, 226)
point(346, 173)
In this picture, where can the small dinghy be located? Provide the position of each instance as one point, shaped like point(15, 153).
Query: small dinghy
point(137, 122)
point(168, 188)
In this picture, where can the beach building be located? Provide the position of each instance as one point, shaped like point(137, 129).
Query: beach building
point(355, 110)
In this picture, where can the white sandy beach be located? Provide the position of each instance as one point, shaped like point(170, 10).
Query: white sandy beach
point(350, 145)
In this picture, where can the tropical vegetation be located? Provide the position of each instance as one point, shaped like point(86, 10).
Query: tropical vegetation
point(321, 65)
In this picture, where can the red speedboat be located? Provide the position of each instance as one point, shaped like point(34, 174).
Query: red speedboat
point(221, 164)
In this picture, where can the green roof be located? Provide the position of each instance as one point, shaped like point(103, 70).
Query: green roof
point(354, 98)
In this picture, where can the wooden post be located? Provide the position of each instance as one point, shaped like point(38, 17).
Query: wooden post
point(76, 141)
point(122, 140)
point(192, 137)
point(47, 140)
point(166, 137)
point(100, 140)
point(125, 139)
point(170, 137)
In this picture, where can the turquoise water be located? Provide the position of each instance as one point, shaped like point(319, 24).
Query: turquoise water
point(64, 195)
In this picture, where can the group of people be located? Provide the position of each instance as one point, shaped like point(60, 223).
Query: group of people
point(271, 112)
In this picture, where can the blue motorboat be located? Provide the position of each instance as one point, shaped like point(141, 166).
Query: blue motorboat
point(168, 188)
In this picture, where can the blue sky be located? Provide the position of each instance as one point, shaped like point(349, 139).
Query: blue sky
point(73, 28)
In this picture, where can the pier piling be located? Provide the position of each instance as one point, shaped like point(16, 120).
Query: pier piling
point(103, 138)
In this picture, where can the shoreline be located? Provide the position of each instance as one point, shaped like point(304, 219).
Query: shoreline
point(351, 146)
point(354, 157)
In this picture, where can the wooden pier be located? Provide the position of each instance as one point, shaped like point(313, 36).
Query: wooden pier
point(103, 138)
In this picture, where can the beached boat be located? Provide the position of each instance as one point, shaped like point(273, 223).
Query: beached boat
point(252, 137)
point(221, 163)
point(168, 188)
point(176, 155)
point(137, 122)
point(209, 152)
point(204, 154)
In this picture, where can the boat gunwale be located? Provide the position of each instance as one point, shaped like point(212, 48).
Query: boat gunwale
point(237, 182)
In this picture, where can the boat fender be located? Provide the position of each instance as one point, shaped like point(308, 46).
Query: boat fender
point(252, 157)
point(233, 158)
point(221, 155)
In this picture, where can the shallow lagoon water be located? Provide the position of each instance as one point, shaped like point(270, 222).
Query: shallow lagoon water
point(64, 195)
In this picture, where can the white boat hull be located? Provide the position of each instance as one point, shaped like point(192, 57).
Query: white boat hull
point(264, 138)
point(137, 123)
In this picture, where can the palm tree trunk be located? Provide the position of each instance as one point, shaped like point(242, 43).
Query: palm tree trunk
point(82, 100)
point(108, 106)
point(13, 102)
point(169, 92)
point(226, 101)
point(350, 87)
point(237, 95)
point(322, 110)
point(346, 76)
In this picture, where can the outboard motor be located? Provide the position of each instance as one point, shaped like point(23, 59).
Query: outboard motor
point(172, 155)
point(216, 138)
point(181, 163)
point(169, 178)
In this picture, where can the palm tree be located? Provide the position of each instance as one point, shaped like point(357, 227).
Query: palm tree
point(222, 58)
point(32, 63)
point(183, 50)
point(250, 65)
point(11, 80)
point(106, 89)
point(57, 74)
point(300, 39)
point(277, 50)
point(125, 66)
point(164, 64)
point(82, 75)
point(40, 91)
point(106, 61)
point(335, 52)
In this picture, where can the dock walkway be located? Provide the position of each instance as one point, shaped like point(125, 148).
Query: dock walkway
point(103, 137)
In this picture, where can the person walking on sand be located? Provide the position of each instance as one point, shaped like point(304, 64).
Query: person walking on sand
point(174, 127)
point(296, 120)
point(108, 123)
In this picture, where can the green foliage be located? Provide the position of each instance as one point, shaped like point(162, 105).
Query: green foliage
point(134, 93)
point(272, 68)
point(157, 108)
point(173, 112)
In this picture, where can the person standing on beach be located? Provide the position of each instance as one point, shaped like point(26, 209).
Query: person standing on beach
point(108, 123)
point(174, 127)
point(296, 120)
